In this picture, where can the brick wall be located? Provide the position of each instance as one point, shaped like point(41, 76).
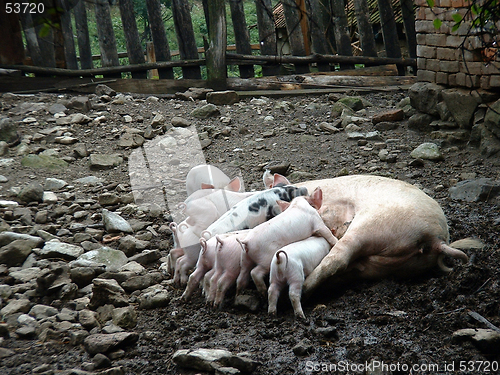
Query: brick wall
point(453, 58)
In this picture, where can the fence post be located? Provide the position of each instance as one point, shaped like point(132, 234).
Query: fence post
point(267, 34)
point(318, 32)
point(134, 48)
point(409, 23)
point(365, 29)
point(82, 35)
point(31, 39)
point(107, 41)
point(342, 39)
point(67, 35)
point(162, 49)
point(216, 53)
point(294, 30)
point(185, 37)
point(11, 48)
point(241, 35)
point(390, 32)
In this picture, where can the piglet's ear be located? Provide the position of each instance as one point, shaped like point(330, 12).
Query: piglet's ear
point(206, 186)
point(268, 179)
point(283, 205)
point(316, 198)
point(279, 179)
point(234, 184)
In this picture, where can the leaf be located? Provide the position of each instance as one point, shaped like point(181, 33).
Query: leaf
point(457, 17)
point(44, 30)
point(455, 27)
point(437, 23)
point(430, 3)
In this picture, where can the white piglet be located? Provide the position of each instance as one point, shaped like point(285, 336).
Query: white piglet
point(291, 265)
point(300, 221)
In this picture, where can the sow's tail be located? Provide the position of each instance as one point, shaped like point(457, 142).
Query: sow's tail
point(444, 249)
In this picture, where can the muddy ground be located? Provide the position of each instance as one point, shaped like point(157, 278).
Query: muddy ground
point(398, 322)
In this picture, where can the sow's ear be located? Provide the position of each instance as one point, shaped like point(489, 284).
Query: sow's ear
point(316, 198)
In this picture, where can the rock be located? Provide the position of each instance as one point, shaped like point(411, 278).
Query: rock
point(43, 161)
point(130, 245)
point(114, 222)
point(83, 276)
point(57, 108)
point(180, 122)
point(146, 257)
point(16, 252)
point(297, 176)
point(489, 143)
point(16, 306)
point(8, 131)
point(125, 317)
point(154, 297)
point(328, 127)
point(492, 119)
point(43, 311)
point(425, 96)
point(49, 197)
point(111, 258)
point(104, 161)
point(195, 93)
point(108, 199)
point(385, 156)
point(303, 348)
point(6, 353)
point(353, 102)
point(461, 104)
point(131, 140)
point(80, 151)
point(206, 111)
point(133, 267)
point(481, 189)
point(391, 116)
point(486, 340)
point(104, 90)
point(260, 101)
point(468, 244)
point(106, 292)
point(228, 97)
point(420, 121)
point(4, 149)
point(57, 249)
point(79, 118)
point(31, 193)
point(103, 343)
point(90, 180)
point(80, 103)
point(385, 125)
point(54, 184)
point(101, 361)
point(142, 282)
point(201, 359)
point(247, 302)
point(26, 274)
point(88, 319)
point(427, 151)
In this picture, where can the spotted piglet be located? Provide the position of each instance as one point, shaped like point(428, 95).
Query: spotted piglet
point(291, 265)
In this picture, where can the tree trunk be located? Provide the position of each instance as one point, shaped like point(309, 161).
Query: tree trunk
point(365, 29)
point(241, 35)
point(267, 33)
point(162, 49)
point(342, 39)
point(216, 54)
point(82, 34)
point(185, 37)
point(134, 48)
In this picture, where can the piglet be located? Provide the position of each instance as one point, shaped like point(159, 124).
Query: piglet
point(206, 177)
point(189, 242)
point(291, 265)
point(298, 222)
point(206, 261)
point(176, 252)
point(227, 266)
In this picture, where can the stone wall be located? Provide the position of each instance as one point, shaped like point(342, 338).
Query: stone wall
point(454, 58)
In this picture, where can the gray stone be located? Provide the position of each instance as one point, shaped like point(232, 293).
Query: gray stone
point(492, 119)
point(125, 317)
point(43, 161)
point(420, 121)
point(146, 257)
point(353, 102)
point(153, 298)
point(206, 111)
point(486, 340)
point(328, 127)
point(90, 180)
point(425, 96)
point(180, 122)
point(26, 332)
point(103, 343)
point(26, 274)
point(131, 140)
point(427, 151)
point(57, 108)
point(83, 276)
point(481, 189)
point(461, 104)
point(80, 151)
point(223, 97)
point(133, 267)
point(114, 222)
point(193, 93)
point(142, 282)
point(4, 149)
point(16, 306)
point(56, 249)
point(80, 103)
point(8, 131)
point(105, 292)
point(386, 125)
point(201, 359)
point(104, 161)
point(108, 199)
point(384, 155)
point(54, 184)
point(130, 245)
point(104, 90)
point(16, 252)
point(43, 311)
point(31, 193)
point(88, 319)
point(489, 144)
point(111, 258)
point(247, 302)
point(303, 348)
point(79, 118)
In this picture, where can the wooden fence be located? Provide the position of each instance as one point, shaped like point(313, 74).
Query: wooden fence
point(318, 32)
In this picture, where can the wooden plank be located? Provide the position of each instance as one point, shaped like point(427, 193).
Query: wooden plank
point(107, 41)
point(267, 34)
point(82, 35)
point(327, 15)
point(46, 44)
point(134, 49)
point(67, 35)
point(31, 39)
point(389, 31)
point(162, 48)
point(342, 39)
point(241, 35)
point(365, 29)
point(216, 53)
point(318, 32)
point(294, 30)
